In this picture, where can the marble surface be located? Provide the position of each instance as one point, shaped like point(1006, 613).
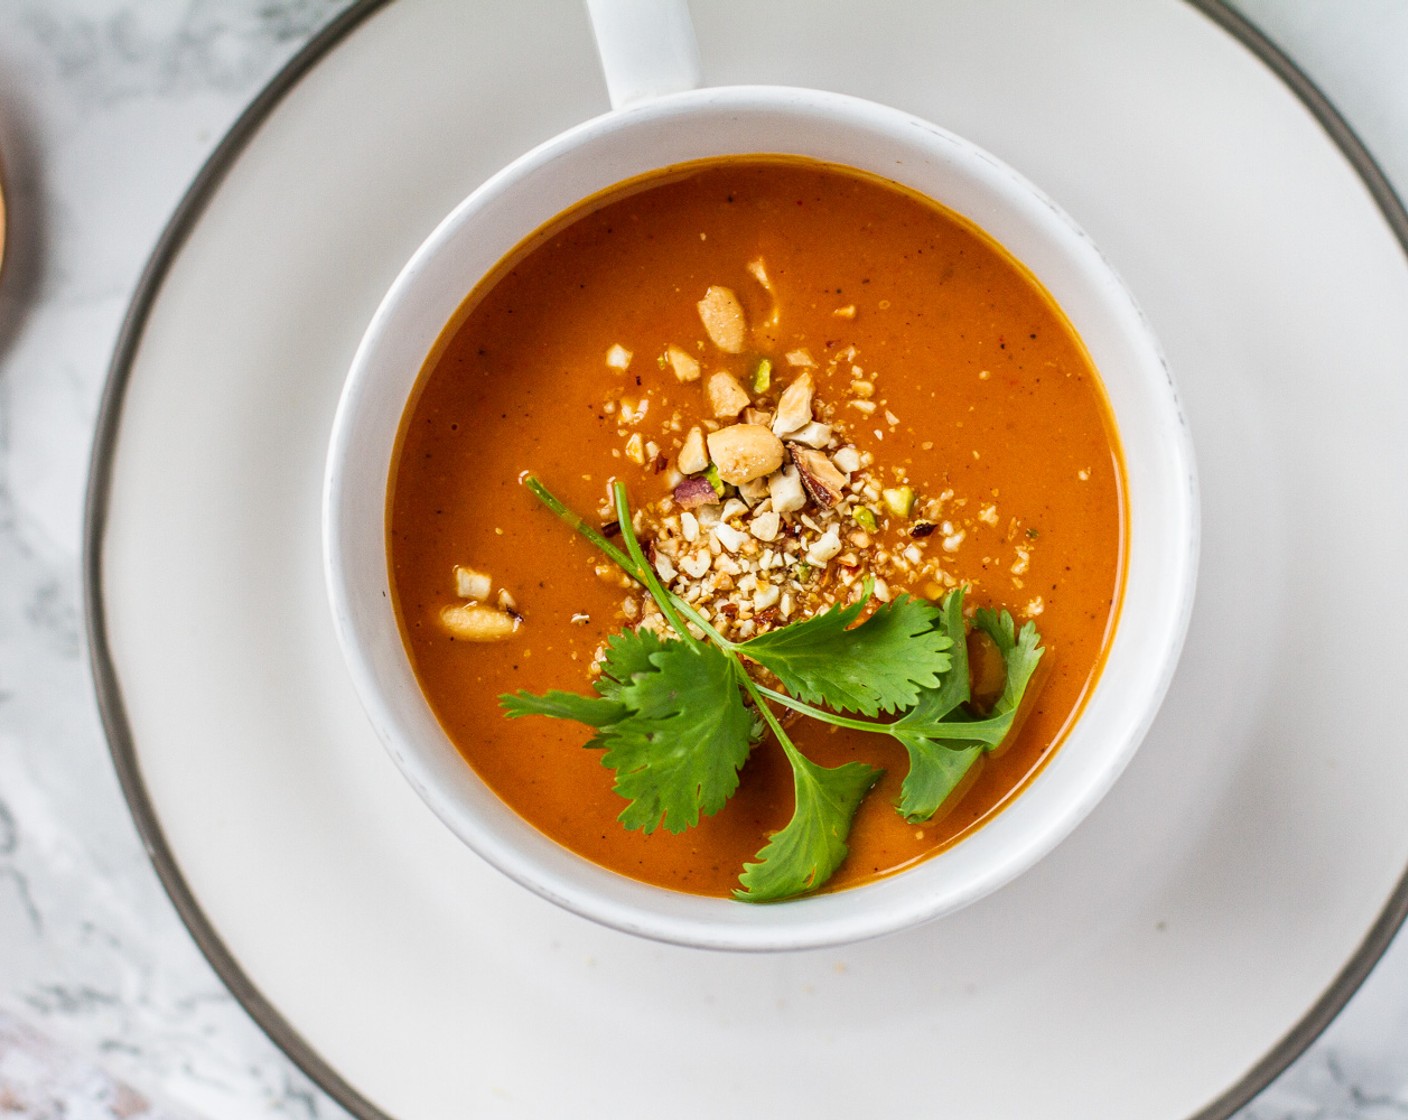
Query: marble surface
point(107, 109)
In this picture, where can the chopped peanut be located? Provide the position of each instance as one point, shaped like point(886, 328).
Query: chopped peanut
point(816, 434)
point(731, 538)
point(825, 548)
point(727, 398)
point(786, 491)
point(473, 622)
point(765, 526)
point(693, 457)
point(794, 407)
point(684, 364)
point(754, 490)
point(743, 452)
point(472, 584)
point(722, 316)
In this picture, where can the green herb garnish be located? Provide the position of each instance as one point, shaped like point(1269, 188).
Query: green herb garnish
point(882, 665)
point(899, 500)
point(711, 472)
point(677, 716)
point(762, 376)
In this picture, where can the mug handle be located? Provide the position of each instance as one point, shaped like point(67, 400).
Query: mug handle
point(647, 48)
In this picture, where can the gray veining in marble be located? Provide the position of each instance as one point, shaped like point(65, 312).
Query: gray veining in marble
point(106, 111)
point(107, 108)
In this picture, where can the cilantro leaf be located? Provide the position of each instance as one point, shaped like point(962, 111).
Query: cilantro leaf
point(804, 854)
point(942, 739)
point(1020, 651)
point(883, 665)
point(627, 653)
point(678, 752)
point(591, 710)
point(936, 769)
point(953, 690)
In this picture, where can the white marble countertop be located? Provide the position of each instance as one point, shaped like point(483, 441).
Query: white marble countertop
point(107, 109)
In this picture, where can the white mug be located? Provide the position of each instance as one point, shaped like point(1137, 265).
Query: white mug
point(660, 119)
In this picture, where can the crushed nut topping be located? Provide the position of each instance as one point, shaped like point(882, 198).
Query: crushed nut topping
point(773, 507)
point(474, 622)
point(685, 365)
point(722, 316)
point(619, 358)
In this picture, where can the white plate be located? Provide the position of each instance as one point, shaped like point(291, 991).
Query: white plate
point(1169, 957)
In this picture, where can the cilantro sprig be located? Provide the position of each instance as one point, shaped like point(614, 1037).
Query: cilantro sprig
point(882, 665)
point(676, 716)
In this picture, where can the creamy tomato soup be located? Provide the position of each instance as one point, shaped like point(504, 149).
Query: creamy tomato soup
point(919, 417)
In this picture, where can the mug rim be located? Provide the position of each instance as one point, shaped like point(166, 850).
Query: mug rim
point(446, 782)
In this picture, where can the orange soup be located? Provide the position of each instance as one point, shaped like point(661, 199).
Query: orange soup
point(811, 383)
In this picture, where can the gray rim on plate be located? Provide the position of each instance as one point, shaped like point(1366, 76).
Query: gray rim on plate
point(109, 694)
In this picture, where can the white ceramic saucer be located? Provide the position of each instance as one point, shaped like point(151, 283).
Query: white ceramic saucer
point(1164, 962)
